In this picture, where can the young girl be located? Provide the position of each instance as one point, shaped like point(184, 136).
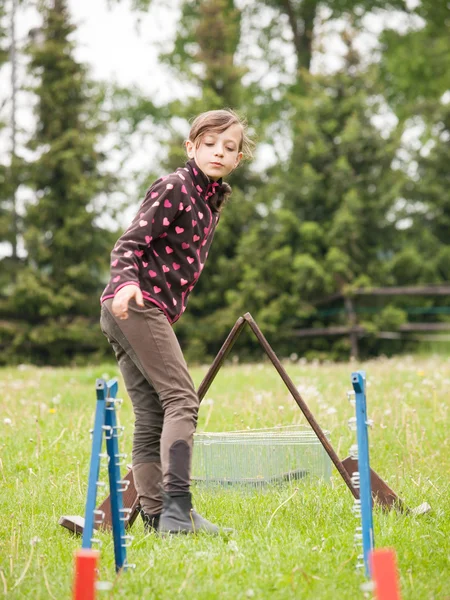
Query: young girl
point(154, 267)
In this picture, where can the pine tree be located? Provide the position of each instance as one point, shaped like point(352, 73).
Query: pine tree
point(328, 205)
point(67, 250)
point(4, 187)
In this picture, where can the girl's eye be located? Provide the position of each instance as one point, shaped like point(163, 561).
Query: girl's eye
point(230, 149)
point(209, 144)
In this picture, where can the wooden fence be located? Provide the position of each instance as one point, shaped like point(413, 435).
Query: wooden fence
point(427, 331)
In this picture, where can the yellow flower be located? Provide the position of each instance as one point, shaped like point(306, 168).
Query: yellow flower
point(52, 411)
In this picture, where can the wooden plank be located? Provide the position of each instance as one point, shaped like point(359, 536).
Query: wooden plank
point(361, 331)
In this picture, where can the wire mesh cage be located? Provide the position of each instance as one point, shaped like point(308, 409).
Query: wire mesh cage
point(258, 457)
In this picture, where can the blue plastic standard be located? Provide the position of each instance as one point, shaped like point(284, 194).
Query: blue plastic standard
point(359, 386)
point(112, 447)
point(94, 469)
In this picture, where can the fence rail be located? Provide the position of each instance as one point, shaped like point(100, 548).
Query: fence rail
point(355, 331)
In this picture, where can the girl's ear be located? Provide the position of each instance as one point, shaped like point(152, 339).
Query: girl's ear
point(238, 159)
point(189, 148)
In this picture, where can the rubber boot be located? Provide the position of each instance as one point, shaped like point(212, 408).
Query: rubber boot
point(151, 522)
point(178, 516)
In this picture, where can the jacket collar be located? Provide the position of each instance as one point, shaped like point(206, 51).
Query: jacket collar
point(204, 185)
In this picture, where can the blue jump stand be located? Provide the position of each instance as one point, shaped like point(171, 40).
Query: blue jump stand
point(365, 493)
point(105, 424)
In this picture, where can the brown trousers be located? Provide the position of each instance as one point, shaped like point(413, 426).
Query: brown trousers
point(164, 399)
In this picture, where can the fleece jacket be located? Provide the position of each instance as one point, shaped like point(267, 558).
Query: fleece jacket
point(164, 250)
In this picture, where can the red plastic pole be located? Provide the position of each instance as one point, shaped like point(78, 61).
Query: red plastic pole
point(85, 574)
point(384, 574)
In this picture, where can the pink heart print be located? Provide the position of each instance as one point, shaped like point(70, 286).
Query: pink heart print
point(196, 238)
point(190, 260)
point(116, 278)
point(174, 302)
point(139, 253)
point(152, 273)
point(185, 245)
point(114, 262)
point(166, 269)
point(176, 266)
point(143, 223)
point(188, 208)
point(128, 253)
point(148, 239)
point(180, 206)
point(183, 189)
point(169, 186)
point(193, 200)
point(166, 222)
point(194, 222)
point(156, 289)
point(144, 264)
point(154, 195)
point(183, 281)
point(179, 230)
point(163, 235)
point(155, 203)
point(167, 203)
point(169, 250)
point(200, 215)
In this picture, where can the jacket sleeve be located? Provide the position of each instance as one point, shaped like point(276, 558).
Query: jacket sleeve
point(162, 204)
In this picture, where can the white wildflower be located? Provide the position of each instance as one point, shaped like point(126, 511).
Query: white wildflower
point(258, 398)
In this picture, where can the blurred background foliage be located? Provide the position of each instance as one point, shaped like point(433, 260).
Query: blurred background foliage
point(349, 187)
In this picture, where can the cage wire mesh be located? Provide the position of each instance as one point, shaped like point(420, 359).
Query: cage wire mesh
point(258, 457)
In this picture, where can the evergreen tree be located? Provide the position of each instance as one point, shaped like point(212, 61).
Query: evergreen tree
point(4, 187)
point(67, 249)
point(426, 209)
point(327, 226)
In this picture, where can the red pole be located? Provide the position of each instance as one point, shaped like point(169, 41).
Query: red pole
point(85, 574)
point(384, 574)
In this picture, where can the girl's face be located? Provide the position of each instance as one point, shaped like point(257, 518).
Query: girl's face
point(218, 153)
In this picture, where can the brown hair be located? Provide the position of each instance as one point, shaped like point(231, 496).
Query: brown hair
point(218, 121)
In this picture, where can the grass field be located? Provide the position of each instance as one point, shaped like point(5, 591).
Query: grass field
point(305, 549)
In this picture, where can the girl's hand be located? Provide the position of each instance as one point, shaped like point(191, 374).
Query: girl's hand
point(121, 299)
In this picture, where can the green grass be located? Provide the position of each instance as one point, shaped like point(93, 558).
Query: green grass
point(303, 549)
